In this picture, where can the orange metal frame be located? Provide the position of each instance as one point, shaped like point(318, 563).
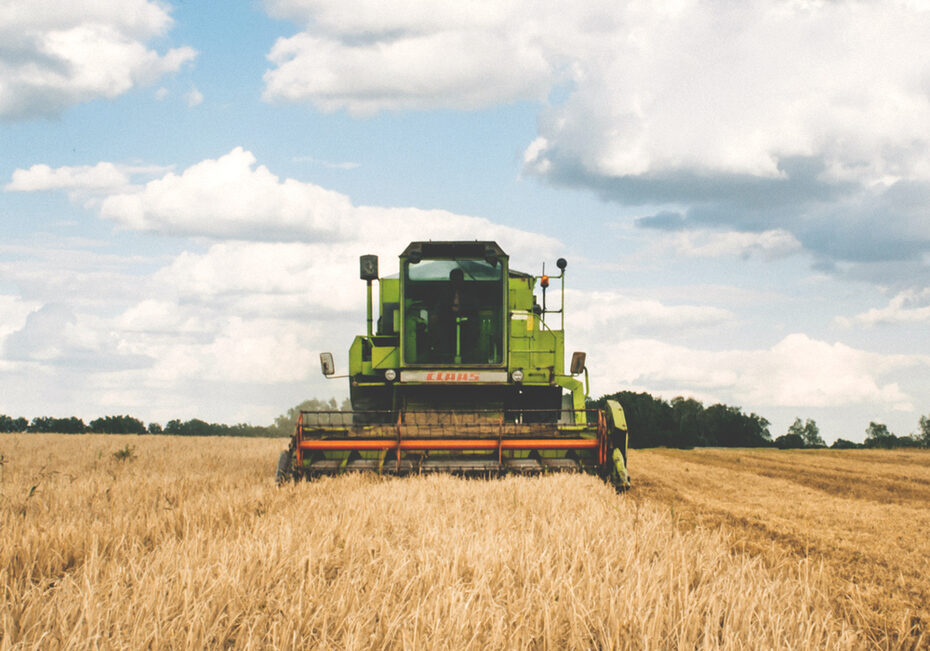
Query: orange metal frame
point(600, 443)
point(452, 444)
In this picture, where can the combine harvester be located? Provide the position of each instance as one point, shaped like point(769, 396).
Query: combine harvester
point(462, 374)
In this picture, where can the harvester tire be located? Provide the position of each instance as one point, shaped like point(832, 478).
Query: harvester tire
point(285, 467)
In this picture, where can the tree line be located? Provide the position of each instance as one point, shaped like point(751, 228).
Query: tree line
point(127, 425)
point(652, 422)
point(878, 436)
point(687, 423)
point(283, 425)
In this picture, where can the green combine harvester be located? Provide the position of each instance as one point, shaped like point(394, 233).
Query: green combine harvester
point(461, 374)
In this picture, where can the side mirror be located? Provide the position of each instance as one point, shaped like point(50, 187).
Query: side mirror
point(327, 364)
point(368, 267)
point(578, 360)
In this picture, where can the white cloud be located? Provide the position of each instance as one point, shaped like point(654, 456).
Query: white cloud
point(170, 330)
point(13, 313)
point(229, 197)
point(57, 335)
point(134, 17)
point(534, 158)
point(102, 176)
point(235, 350)
point(375, 17)
point(73, 271)
point(46, 335)
point(455, 68)
point(194, 98)
point(803, 371)
point(252, 278)
point(262, 351)
point(56, 54)
point(770, 244)
point(598, 312)
point(794, 122)
point(368, 56)
point(84, 183)
point(154, 316)
point(910, 306)
point(736, 89)
point(798, 371)
point(233, 198)
point(714, 88)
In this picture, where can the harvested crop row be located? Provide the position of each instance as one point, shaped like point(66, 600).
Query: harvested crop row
point(861, 516)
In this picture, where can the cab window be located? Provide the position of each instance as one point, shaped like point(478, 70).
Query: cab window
point(453, 312)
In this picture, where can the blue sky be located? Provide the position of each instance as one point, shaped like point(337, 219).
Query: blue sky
point(741, 192)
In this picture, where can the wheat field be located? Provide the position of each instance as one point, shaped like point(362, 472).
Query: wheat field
point(164, 542)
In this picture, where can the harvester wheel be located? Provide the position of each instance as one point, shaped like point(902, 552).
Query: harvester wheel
point(285, 467)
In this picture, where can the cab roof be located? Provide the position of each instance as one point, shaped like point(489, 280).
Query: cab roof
point(474, 249)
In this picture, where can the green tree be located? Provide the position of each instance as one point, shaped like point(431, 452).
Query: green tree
point(197, 427)
point(878, 436)
point(155, 428)
point(10, 424)
point(924, 437)
point(759, 430)
point(809, 433)
point(790, 441)
point(244, 429)
point(41, 424)
point(732, 428)
point(688, 414)
point(117, 425)
point(49, 424)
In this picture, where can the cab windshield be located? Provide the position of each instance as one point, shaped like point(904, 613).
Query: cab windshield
point(453, 312)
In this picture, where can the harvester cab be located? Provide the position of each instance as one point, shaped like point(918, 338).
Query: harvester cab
point(462, 371)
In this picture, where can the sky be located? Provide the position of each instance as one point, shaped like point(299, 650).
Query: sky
point(741, 191)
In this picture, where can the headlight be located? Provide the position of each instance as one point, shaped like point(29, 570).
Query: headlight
point(390, 375)
point(517, 375)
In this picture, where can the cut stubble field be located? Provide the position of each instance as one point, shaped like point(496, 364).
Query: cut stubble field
point(183, 542)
